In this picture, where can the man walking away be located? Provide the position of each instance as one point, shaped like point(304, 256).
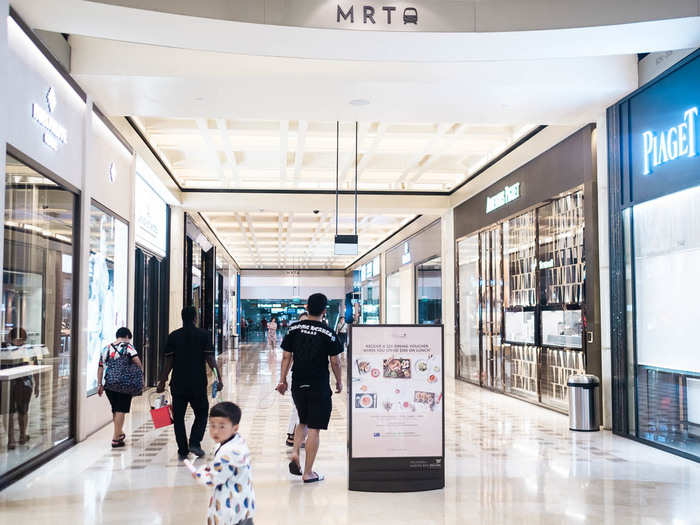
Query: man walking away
point(310, 344)
point(186, 352)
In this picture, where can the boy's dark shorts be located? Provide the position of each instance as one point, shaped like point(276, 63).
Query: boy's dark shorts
point(313, 407)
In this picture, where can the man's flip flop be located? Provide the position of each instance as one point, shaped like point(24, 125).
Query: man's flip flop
point(318, 478)
point(294, 468)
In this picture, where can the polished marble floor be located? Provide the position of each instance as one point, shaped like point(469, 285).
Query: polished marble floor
point(507, 462)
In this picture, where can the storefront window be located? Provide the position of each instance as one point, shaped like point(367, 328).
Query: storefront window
point(429, 291)
point(393, 298)
point(521, 297)
point(468, 356)
point(520, 267)
point(107, 286)
point(370, 302)
point(666, 246)
point(37, 317)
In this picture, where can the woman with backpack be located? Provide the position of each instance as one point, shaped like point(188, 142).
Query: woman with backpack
point(122, 371)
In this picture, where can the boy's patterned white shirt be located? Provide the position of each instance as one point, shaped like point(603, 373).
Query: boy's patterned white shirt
point(230, 476)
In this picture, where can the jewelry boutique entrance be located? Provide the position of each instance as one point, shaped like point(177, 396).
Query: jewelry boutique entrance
point(150, 311)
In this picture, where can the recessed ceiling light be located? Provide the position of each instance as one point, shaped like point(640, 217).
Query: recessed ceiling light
point(359, 102)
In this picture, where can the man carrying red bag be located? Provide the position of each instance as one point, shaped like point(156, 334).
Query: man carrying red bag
point(186, 352)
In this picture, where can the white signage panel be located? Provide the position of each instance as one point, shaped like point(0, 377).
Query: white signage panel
point(396, 391)
point(151, 217)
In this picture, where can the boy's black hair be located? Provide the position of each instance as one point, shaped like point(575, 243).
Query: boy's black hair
point(316, 304)
point(124, 332)
point(188, 314)
point(230, 411)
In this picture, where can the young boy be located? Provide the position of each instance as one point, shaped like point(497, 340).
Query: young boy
point(233, 499)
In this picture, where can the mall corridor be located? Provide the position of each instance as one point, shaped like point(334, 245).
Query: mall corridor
point(488, 208)
point(507, 462)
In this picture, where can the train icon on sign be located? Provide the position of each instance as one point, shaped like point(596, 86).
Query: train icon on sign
point(410, 16)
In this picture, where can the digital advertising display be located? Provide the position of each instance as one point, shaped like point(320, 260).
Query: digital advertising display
point(396, 391)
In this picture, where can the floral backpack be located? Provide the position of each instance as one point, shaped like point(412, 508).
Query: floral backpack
point(122, 374)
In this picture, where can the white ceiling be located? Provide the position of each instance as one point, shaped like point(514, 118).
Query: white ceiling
point(252, 154)
point(297, 239)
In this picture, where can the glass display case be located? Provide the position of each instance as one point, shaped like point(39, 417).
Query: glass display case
point(562, 328)
point(520, 327)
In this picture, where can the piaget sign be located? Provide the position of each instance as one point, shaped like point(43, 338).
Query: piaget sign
point(503, 197)
point(672, 143)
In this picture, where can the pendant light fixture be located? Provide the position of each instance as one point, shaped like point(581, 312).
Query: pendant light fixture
point(344, 244)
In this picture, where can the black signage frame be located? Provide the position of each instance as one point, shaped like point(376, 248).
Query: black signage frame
point(402, 474)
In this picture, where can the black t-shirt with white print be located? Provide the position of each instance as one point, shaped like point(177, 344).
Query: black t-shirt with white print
point(311, 343)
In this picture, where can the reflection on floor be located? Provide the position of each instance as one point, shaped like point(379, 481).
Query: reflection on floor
point(507, 462)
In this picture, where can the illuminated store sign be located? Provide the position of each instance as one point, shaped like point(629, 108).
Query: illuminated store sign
point(151, 218)
point(677, 141)
point(503, 197)
point(54, 133)
point(385, 14)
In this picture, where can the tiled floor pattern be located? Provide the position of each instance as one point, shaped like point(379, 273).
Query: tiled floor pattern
point(507, 462)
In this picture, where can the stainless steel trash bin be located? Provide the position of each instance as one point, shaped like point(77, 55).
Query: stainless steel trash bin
point(584, 413)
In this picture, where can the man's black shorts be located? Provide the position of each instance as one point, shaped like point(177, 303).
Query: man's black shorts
point(314, 407)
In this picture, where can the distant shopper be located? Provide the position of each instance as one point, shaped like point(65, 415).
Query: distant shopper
point(229, 475)
point(263, 325)
point(272, 332)
point(341, 328)
point(310, 344)
point(186, 352)
point(21, 388)
point(244, 329)
point(119, 367)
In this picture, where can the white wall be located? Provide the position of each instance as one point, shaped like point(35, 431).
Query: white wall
point(32, 75)
point(448, 291)
point(408, 294)
point(177, 257)
point(101, 149)
point(105, 149)
point(274, 284)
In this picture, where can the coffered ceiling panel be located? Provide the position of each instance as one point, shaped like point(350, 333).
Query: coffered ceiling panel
point(300, 155)
point(297, 240)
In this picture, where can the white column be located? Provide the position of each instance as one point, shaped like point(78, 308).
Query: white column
point(604, 263)
point(177, 267)
point(383, 305)
point(448, 291)
point(81, 331)
point(408, 294)
point(131, 279)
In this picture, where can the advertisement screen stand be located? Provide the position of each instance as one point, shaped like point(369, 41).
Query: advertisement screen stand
point(396, 408)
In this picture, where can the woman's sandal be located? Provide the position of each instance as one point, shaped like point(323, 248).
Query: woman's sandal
point(118, 443)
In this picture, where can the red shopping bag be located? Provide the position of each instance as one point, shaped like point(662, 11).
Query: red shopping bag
point(161, 416)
